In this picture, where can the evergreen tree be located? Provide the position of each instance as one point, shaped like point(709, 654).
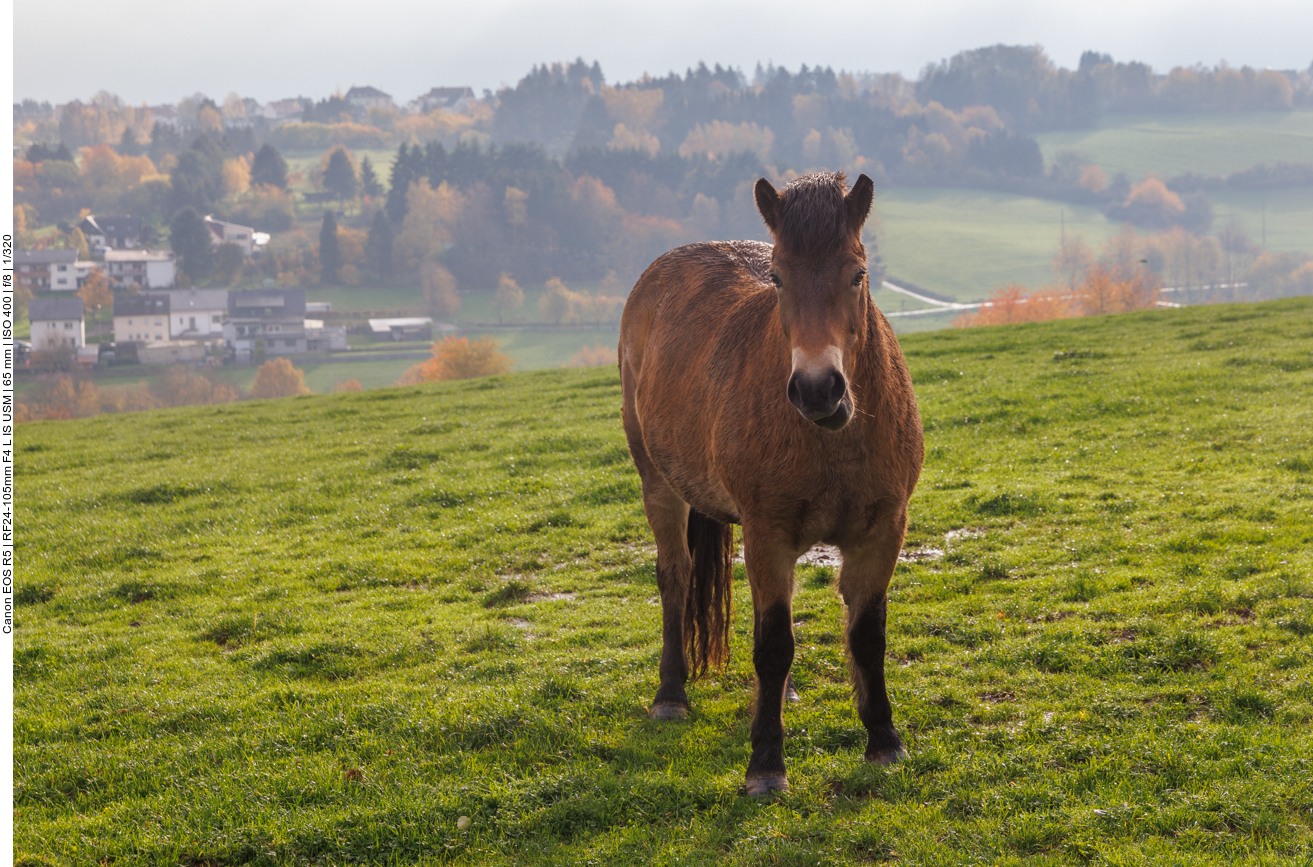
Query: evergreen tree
point(340, 175)
point(190, 238)
point(164, 139)
point(128, 145)
point(378, 247)
point(330, 255)
point(369, 184)
point(269, 167)
point(406, 169)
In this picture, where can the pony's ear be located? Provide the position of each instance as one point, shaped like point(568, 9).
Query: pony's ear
point(858, 202)
point(768, 203)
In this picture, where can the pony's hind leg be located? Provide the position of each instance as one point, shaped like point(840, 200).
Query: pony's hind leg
point(668, 516)
point(864, 583)
point(770, 575)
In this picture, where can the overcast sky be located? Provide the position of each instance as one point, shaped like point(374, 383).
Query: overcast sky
point(156, 51)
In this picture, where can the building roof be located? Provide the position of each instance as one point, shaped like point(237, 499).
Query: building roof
point(138, 255)
point(141, 305)
point(196, 299)
point(112, 226)
point(385, 326)
point(450, 93)
point(267, 304)
point(46, 309)
point(46, 257)
point(366, 92)
point(221, 228)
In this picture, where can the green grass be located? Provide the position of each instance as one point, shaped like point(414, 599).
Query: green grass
point(965, 243)
point(1215, 143)
point(319, 630)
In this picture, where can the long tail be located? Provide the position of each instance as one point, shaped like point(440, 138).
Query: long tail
point(707, 608)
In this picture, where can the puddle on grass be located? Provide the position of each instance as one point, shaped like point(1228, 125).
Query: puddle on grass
point(828, 555)
point(548, 597)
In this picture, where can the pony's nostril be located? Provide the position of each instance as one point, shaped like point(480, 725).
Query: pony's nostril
point(838, 385)
point(795, 391)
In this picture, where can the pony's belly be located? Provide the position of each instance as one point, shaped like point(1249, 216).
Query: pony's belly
point(693, 481)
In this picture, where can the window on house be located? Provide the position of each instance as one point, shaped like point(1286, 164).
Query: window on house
point(216, 318)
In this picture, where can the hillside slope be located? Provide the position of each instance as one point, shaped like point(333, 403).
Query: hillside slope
point(318, 630)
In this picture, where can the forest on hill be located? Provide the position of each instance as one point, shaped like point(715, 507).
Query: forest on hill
point(565, 175)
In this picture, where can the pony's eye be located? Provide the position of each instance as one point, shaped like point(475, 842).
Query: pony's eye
point(857, 280)
point(775, 278)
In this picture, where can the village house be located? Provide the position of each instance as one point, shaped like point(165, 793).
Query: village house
point(118, 233)
point(140, 269)
point(141, 318)
point(446, 98)
point(274, 320)
point(166, 115)
point(365, 98)
point(248, 239)
point(57, 323)
point(196, 314)
point(49, 270)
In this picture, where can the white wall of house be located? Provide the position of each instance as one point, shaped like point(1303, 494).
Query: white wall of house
point(139, 329)
point(161, 275)
point(57, 333)
point(63, 278)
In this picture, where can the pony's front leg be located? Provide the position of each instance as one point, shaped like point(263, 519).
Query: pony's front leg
point(668, 516)
point(864, 584)
point(770, 575)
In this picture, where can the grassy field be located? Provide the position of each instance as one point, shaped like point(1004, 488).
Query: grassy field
point(1287, 214)
point(319, 630)
point(964, 243)
point(1217, 143)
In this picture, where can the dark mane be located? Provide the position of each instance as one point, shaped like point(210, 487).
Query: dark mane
point(812, 217)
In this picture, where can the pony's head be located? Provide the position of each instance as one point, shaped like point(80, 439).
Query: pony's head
point(819, 271)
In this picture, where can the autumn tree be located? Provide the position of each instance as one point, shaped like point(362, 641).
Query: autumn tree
point(340, 175)
point(459, 358)
point(269, 168)
point(185, 386)
point(348, 385)
point(330, 256)
point(1013, 303)
point(510, 297)
point(95, 292)
point(190, 238)
point(439, 289)
point(1073, 257)
point(278, 378)
point(555, 301)
point(592, 356)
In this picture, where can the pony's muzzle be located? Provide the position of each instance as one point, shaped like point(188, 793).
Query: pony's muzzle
point(821, 396)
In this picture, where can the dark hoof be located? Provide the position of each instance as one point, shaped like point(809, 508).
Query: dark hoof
point(669, 712)
point(763, 787)
point(887, 757)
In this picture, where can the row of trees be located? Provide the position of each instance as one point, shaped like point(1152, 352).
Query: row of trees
point(1136, 272)
point(73, 397)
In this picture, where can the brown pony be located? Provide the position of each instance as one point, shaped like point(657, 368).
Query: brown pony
point(763, 387)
